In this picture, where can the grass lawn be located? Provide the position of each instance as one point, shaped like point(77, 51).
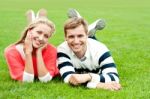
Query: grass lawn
point(126, 35)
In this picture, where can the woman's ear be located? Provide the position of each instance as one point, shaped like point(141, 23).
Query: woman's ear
point(29, 31)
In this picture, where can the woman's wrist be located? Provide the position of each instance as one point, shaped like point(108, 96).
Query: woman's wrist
point(38, 51)
point(28, 52)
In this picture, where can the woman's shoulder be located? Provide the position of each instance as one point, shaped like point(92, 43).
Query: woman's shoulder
point(51, 49)
point(10, 48)
point(50, 46)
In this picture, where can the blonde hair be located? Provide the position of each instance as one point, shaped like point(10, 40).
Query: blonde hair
point(75, 22)
point(33, 24)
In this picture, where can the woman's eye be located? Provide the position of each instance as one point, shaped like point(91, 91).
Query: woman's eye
point(46, 36)
point(39, 32)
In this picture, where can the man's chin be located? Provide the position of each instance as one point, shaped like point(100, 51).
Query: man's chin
point(76, 51)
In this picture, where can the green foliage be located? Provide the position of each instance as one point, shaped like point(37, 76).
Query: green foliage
point(126, 35)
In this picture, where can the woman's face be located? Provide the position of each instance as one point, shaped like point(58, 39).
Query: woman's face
point(40, 35)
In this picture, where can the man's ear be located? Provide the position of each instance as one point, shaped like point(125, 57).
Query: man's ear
point(87, 36)
point(65, 38)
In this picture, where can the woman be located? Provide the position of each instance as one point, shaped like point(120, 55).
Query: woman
point(32, 57)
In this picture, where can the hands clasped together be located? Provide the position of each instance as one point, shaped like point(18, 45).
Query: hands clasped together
point(77, 79)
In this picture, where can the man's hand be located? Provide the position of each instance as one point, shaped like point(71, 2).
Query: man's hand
point(77, 79)
point(109, 86)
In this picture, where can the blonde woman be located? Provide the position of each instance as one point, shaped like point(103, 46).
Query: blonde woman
point(32, 56)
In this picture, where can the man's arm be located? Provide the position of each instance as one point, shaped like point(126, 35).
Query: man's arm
point(17, 66)
point(108, 68)
point(108, 77)
point(65, 66)
point(77, 79)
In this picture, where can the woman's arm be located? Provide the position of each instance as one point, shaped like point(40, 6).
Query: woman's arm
point(16, 64)
point(28, 70)
point(43, 73)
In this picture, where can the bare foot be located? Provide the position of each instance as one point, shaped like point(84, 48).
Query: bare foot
point(41, 13)
point(30, 16)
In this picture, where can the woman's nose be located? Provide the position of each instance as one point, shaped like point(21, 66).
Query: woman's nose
point(41, 37)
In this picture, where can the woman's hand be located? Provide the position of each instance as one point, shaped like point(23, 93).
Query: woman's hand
point(28, 43)
point(41, 48)
point(28, 51)
point(41, 67)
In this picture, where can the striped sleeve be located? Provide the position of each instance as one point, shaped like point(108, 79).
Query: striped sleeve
point(108, 68)
point(65, 66)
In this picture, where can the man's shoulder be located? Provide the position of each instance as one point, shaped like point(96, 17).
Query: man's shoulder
point(95, 44)
point(63, 50)
point(62, 44)
point(63, 47)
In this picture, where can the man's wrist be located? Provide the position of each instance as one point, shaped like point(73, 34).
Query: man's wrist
point(90, 76)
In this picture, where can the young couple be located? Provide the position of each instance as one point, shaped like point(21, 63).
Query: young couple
point(81, 58)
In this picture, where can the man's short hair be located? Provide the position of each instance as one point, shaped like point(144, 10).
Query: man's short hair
point(74, 22)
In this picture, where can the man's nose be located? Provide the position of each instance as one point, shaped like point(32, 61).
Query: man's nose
point(76, 39)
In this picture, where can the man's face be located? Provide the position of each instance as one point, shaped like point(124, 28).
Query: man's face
point(76, 39)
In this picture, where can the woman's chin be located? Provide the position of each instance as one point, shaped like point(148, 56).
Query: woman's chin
point(36, 46)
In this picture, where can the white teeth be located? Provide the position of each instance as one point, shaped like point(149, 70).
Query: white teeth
point(76, 46)
point(37, 42)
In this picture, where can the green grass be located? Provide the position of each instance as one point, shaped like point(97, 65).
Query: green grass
point(126, 35)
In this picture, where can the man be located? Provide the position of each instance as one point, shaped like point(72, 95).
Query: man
point(99, 24)
point(85, 60)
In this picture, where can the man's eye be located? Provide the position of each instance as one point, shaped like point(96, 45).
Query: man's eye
point(71, 37)
point(80, 36)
